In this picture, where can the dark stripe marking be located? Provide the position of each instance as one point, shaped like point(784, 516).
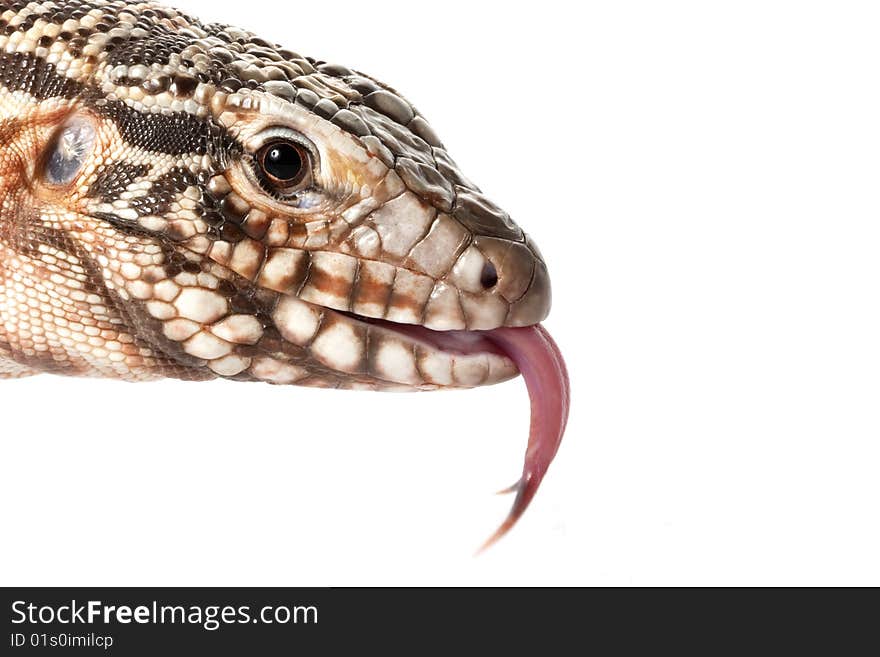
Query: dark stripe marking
point(115, 179)
point(32, 74)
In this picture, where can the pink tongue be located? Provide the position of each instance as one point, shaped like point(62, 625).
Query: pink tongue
point(541, 365)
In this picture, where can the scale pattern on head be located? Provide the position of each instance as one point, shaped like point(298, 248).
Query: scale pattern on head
point(171, 252)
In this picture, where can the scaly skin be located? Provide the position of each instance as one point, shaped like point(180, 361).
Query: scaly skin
point(166, 257)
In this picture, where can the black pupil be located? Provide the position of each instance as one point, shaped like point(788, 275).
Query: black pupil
point(283, 162)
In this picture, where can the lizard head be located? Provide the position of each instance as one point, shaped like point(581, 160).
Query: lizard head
point(214, 205)
point(180, 199)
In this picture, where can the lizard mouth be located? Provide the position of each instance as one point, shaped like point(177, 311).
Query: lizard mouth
point(455, 342)
point(400, 357)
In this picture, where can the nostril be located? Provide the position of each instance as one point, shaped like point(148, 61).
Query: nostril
point(489, 276)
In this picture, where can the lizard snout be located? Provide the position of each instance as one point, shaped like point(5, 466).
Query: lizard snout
point(502, 276)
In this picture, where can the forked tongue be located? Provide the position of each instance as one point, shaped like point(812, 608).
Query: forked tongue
point(541, 365)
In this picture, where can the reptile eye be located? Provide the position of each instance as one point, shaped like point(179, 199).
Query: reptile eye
point(70, 149)
point(284, 165)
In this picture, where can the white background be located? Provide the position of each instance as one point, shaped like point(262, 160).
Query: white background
point(703, 181)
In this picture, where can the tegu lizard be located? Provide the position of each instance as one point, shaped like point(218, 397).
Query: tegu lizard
point(188, 200)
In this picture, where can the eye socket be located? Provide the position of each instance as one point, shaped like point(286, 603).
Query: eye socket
point(70, 149)
point(285, 166)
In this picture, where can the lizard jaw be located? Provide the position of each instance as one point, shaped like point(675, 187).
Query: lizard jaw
point(377, 354)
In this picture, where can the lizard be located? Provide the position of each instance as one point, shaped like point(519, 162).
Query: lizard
point(185, 199)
